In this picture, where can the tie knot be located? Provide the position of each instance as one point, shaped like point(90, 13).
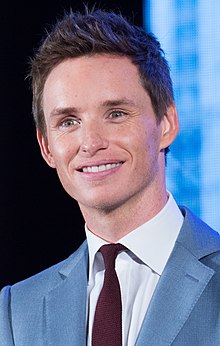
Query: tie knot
point(109, 253)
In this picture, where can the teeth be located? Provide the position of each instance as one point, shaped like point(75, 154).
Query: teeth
point(101, 168)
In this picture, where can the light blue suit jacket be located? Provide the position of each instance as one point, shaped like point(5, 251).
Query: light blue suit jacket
point(50, 308)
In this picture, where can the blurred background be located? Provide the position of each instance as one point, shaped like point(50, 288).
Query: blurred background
point(39, 223)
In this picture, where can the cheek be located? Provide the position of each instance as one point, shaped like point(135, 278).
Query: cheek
point(152, 137)
point(148, 147)
point(62, 151)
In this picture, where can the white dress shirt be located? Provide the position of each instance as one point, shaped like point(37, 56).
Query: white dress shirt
point(138, 268)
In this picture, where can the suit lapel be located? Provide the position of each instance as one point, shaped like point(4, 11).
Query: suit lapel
point(181, 284)
point(178, 290)
point(65, 305)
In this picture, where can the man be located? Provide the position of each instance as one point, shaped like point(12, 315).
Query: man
point(105, 117)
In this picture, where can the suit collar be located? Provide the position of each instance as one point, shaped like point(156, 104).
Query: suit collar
point(71, 263)
point(196, 236)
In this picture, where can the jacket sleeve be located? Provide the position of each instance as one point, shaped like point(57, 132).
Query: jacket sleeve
point(6, 335)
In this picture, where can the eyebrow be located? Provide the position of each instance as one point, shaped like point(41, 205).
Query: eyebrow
point(63, 111)
point(115, 103)
point(108, 103)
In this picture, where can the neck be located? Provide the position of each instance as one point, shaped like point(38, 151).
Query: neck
point(112, 225)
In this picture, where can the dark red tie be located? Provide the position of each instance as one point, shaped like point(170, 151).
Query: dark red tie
point(107, 326)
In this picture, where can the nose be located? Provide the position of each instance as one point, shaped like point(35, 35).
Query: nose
point(93, 140)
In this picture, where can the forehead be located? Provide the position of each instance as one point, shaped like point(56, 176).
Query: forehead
point(93, 78)
point(86, 67)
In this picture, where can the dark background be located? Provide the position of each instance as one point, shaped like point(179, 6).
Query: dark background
point(39, 223)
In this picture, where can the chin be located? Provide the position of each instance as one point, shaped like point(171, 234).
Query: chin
point(103, 205)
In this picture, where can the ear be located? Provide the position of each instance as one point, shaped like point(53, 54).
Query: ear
point(45, 149)
point(169, 127)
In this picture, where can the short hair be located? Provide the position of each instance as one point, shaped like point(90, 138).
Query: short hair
point(101, 32)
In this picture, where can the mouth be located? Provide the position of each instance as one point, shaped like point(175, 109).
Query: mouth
point(100, 168)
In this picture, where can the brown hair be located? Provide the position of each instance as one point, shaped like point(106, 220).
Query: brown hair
point(97, 32)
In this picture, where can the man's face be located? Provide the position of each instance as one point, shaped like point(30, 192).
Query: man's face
point(102, 134)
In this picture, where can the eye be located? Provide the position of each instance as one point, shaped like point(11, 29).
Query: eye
point(117, 114)
point(70, 122)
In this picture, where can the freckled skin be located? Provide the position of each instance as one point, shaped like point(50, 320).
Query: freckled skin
point(97, 112)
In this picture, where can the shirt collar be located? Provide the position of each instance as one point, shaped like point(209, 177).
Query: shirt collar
point(152, 242)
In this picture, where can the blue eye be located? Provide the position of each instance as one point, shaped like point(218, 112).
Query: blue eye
point(117, 114)
point(69, 122)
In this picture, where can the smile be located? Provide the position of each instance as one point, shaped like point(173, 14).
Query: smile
point(100, 168)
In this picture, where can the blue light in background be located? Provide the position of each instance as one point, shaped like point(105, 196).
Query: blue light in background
point(189, 33)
